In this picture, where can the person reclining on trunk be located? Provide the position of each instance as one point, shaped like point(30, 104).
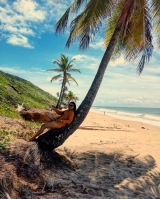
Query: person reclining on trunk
point(65, 118)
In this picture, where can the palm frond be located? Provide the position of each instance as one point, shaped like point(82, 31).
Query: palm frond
point(70, 63)
point(140, 41)
point(155, 8)
point(56, 77)
point(62, 23)
point(110, 25)
point(58, 62)
point(136, 38)
point(67, 81)
point(87, 24)
point(69, 77)
point(74, 70)
point(73, 8)
point(55, 69)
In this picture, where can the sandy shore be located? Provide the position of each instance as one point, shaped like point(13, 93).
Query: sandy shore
point(106, 134)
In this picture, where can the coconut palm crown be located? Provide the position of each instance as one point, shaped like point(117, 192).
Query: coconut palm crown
point(134, 18)
point(65, 67)
point(127, 26)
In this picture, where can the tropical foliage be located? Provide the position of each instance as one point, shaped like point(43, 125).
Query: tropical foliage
point(127, 26)
point(65, 67)
point(70, 96)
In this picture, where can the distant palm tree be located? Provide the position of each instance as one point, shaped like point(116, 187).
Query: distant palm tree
point(70, 96)
point(64, 68)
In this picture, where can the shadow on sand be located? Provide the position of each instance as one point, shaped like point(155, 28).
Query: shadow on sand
point(67, 174)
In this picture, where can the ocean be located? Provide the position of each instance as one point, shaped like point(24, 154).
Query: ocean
point(149, 116)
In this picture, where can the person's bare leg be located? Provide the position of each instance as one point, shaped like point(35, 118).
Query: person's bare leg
point(50, 116)
point(49, 125)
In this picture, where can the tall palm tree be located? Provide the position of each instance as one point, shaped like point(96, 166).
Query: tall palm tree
point(128, 25)
point(65, 67)
point(128, 29)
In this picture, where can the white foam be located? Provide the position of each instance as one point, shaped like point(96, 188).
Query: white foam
point(128, 114)
point(152, 117)
point(146, 119)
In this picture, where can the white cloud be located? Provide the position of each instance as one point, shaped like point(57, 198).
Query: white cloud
point(98, 44)
point(15, 70)
point(85, 61)
point(119, 61)
point(21, 18)
point(29, 17)
point(79, 57)
point(56, 8)
point(30, 10)
point(18, 30)
point(3, 2)
point(19, 40)
point(133, 100)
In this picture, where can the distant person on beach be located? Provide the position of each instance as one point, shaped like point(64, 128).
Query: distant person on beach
point(65, 118)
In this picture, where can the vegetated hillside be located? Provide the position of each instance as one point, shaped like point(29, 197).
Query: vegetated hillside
point(15, 90)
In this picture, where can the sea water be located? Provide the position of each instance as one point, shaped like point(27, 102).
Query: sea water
point(149, 116)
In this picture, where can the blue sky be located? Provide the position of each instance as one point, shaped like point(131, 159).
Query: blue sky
point(28, 47)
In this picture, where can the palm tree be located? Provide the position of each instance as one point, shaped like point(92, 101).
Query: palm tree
point(128, 25)
point(128, 29)
point(70, 96)
point(64, 68)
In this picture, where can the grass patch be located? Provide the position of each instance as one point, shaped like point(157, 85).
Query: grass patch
point(7, 111)
point(6, 135)
point(33, 124)
point(15, 90)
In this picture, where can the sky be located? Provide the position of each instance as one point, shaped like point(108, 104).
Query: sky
point(29, 45)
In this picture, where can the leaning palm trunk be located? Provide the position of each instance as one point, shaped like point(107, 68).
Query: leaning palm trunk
point(55, 138)
point(61, 94)
point(88, 100)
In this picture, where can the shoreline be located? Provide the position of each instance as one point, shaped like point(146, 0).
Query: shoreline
point(135, 119)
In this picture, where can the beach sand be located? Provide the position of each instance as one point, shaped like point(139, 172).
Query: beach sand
point(115, 159)
point(102, 133)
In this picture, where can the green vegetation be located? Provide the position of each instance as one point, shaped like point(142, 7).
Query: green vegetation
point(70, 96)
point(7, 135)
point(15, 90)
point(65, 67)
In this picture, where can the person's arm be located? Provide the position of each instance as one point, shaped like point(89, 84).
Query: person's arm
point(70, 118)
point(57, 111)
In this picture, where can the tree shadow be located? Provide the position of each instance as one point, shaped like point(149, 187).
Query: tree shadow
point(111, 175)
point(67, 174)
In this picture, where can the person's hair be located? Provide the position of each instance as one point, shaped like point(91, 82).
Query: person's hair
point(73, 105)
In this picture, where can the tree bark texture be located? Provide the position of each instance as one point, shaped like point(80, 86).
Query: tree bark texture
point(61, 93)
